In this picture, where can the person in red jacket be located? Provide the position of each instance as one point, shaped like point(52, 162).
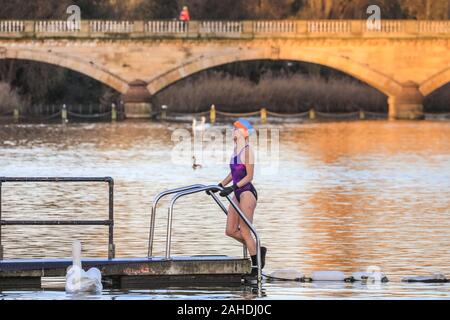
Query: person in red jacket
point(184, 15)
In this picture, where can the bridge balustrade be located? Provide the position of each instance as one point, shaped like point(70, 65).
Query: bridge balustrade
point(329, 26)
point(166, 27)
point(7, 26)
point(262, 28)
point(221, 27)
point(275, 26)
point(434, 26)
point(387, 26)
point(111, 26)
point(56, 26)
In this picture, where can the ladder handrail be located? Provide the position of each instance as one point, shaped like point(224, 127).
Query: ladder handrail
point(153, 213)
point(171, 191)
point(236, 207)
point(219, 203)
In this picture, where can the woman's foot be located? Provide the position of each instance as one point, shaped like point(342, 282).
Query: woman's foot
point(255, 260)
point(263, 257)
point(254, 272)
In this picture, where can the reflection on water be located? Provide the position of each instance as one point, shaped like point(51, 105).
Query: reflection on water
point(346, 196)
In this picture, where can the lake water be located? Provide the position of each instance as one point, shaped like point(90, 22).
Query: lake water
point(345, 196)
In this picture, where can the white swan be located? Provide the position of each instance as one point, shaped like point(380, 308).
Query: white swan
point(202, 126)
point(78, 280)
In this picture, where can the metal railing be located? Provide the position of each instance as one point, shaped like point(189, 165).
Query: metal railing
point(155, 202)
point(109, 222)
point(158, 197)
point(183, 191)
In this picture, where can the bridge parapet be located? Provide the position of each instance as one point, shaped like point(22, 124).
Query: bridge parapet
point(158, 26)
point(51, 26)
point(12, 26)
point(329, 26)
point(222, 29)
point(275, 26)
point(101, 26)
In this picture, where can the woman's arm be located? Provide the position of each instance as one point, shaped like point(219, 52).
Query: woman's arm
point(227, 180)
point(249, 161)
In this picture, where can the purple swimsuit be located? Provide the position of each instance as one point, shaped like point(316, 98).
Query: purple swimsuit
point(238, 172)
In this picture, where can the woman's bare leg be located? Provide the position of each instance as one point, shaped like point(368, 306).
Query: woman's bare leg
point(247, 205)
point(232, 229)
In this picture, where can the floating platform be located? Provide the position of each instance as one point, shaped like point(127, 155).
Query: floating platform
point(132, 272)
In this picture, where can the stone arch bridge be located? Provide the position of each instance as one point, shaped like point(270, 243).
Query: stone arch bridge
point(405, 60)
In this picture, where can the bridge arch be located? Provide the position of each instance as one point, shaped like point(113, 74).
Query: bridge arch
point(87, 69)
point(435, 82)
point(360, 71)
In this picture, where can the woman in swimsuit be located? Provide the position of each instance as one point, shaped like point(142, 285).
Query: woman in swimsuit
point(242, 168)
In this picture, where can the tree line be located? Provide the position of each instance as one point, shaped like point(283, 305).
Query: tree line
point(225, 9)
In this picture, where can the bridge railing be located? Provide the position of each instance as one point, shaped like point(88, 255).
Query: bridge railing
point(385, 26)
point(221, 27)
point(193, 29)
point(434, 26)
point(103, 26)
point(329, 26)
point(275, 26)
point(56, 26)
point(159, 26)
point(7, 26)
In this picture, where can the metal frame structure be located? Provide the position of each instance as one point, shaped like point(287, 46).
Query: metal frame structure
point(109, 222)
point(184, 191)
point(158, 197)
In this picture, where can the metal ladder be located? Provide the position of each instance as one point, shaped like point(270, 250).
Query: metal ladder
point(195, 188)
